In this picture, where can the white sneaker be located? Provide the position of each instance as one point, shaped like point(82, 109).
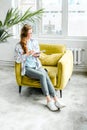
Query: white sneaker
point(58, 105)
point(51, 106)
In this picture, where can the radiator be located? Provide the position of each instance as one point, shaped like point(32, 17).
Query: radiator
point(77, 55)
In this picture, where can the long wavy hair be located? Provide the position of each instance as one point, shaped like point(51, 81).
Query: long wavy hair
point(23, 37)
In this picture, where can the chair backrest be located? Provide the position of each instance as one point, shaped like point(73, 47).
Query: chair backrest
point(53, 48)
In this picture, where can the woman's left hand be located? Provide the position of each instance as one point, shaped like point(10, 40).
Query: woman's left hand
point(37, 54)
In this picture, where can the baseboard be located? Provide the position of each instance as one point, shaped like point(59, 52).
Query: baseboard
point(6, 63)
point(80, 68)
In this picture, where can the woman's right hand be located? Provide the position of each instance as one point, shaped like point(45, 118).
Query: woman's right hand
point(31, 52)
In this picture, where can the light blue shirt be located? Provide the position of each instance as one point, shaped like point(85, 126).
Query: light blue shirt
point(25, 60)
point(32, 61)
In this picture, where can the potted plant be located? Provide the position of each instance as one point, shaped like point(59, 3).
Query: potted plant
point(14, 17)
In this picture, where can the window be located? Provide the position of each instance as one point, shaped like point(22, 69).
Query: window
point(77, 17)
point(51, 22)
point(61, 18)
point(52, 18)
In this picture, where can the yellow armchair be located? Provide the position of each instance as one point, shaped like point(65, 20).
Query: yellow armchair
point(57, 60)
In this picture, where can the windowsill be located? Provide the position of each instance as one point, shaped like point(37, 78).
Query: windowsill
point(64, 38)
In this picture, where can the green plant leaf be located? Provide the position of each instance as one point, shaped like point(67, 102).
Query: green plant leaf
point(0, 23)
point(4, 36)
point(14, 17)
point(8, 16)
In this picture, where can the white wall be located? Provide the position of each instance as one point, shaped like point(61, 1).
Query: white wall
point(4, 6)
point(8, 47)
point(7, 50)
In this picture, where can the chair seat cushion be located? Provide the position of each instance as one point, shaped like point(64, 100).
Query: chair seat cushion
point(51, 59)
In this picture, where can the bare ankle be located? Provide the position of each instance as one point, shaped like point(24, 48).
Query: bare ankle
point(55, 98)
point(48, 98)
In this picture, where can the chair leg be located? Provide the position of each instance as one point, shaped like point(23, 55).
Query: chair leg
point(60, 93)
point(20, 89)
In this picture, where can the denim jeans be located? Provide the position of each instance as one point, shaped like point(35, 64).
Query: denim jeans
point(42, 75)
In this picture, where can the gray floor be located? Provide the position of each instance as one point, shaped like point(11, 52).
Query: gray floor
point(29, 112)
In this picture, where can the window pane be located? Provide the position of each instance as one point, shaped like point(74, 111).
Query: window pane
point(52, 18)
point(77, 17)
point(24, 5)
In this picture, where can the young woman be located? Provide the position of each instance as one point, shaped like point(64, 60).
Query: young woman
point(25, 52)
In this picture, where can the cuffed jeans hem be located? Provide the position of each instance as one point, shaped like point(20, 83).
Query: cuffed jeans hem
point(46, 94)
point(50, 95)
point(55, 95)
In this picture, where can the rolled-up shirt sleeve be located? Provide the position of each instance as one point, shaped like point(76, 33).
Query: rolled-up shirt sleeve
point(19, 57)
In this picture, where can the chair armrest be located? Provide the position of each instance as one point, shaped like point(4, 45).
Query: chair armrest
point(65, 68)
point(18, 73)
